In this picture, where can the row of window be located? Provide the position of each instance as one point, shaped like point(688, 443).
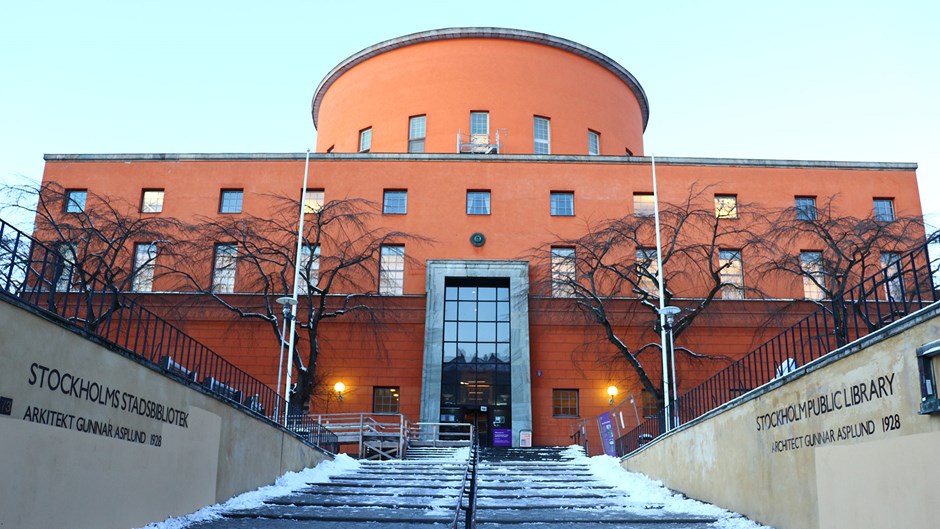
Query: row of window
point(395, 202)
point(480, 132)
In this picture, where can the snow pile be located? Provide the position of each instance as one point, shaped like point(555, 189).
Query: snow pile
point(644, 490)
point(284, 485)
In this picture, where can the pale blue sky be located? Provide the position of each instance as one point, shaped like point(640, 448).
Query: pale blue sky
point(818, 80)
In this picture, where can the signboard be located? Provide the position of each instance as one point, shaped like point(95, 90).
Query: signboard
point(606, 426)
point(502, 436)
point(525, 438)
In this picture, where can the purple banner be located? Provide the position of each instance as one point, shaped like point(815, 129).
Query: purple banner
point(502, 436)
point(606, 426)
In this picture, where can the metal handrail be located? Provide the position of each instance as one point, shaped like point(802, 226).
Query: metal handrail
point(469, 482)
point(39, 277)
point(901, 288)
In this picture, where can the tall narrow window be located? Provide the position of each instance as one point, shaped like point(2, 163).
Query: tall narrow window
point(561, 203)
point(145, 258)
point(65, 267)
point(564, 403)
point(814, 281)
point(365, 140)
point(309, 267)
point(478, 202)
point(805, 208)
point(894, 286)
point(643, 205)
point(726, 206)
point(75, 200)
point(563, 272)
point(313, 200)
point(223, 268)
point(385, 399)
point(151, 201)
point(392, 270)
point(884, 209)
point(231, 201)
point(647, 268)
point(542, 135)
point(480, 123)
point(417, 131)
point(594, 143)
point(395, 202)
point(732, 274)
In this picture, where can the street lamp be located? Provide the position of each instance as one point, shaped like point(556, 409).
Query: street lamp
point(287, 303)
point(339, 388)
point(612, 391)
point(669, 313)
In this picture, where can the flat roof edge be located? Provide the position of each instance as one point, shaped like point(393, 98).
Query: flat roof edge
point(501, 158)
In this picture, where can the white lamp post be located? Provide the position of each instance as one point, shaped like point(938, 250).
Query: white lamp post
point(670, 315)
point(287, 303)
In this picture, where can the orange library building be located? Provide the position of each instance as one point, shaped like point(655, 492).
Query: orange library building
point(490, 148)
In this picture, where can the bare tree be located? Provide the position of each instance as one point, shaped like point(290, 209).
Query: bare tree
point(831, 251)
point(339, 270)
point(615, 263)
point(90, 240)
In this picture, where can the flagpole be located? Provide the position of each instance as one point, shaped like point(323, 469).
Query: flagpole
point(293, 308)
point(662, 301)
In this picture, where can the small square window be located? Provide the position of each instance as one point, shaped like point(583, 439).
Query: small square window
point(395, 202)
point(478, 202)
point(562, 203)
point(805, 208)
point(231, 201)
point(884, 209)
point(644, 204)
point(313, 200)
point(726, 206)
point(365, 140)
point(594, 143)
point(151, 201)
point(417, 131)
point(75, 200)
point(564, 403)
point(385, 399)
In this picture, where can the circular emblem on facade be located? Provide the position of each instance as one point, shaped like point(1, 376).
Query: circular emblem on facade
point(478, 239)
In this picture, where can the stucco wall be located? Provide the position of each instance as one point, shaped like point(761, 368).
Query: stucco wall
point(828, 464)
point(135, 467)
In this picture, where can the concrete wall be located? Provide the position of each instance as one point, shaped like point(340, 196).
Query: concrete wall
point(836, 444)
point(89, 438)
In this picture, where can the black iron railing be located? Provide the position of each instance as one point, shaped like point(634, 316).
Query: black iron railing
point(57, 285)
point(899, 289)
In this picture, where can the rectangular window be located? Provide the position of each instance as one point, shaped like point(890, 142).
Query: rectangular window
point(884, 209)
point(75, 200)
point(805, 208)
point(223, 268)
point(365, 140)
point(145, 257)
point(313, 200)
point(384, 400)
point(417, 131)
point(564, 403)
point(811, 262)
point(726, 206)
point(564, 269)
point(231, 201)
point(594, 143)
point(151, 201)
point(309, 267)
point(891, 263)
point(478, 202)
point(732, 274)
point(647, 268)
point(644, 204)
point(65, 267)
point(480, 123)
point(562, 203)
point(395, 202)
point(392, 270)
point(542, 135)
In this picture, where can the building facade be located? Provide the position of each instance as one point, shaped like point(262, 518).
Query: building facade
point(490, 144)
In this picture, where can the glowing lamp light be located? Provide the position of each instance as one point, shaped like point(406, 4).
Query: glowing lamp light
point(339, 388)
point(612, 391)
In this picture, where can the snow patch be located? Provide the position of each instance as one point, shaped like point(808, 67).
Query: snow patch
point(284, 485)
